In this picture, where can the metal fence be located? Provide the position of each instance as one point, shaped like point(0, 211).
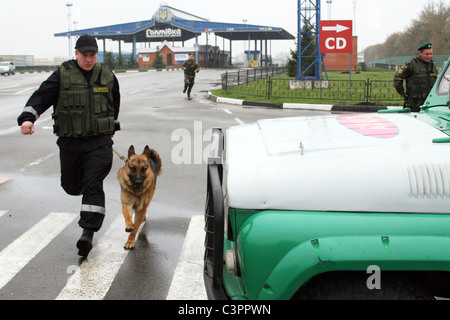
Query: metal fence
point(262, 84)
point(248, 75)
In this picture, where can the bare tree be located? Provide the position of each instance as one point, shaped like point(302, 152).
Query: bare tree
point(432, 25)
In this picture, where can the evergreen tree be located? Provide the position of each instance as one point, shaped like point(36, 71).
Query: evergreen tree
point(292, 65)
point(308, 47)
point(132, 63)
point(109, 59)
point(159, 60)
point(120, 60)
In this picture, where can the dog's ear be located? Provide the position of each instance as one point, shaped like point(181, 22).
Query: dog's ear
point(131, 152)
point(147, 152)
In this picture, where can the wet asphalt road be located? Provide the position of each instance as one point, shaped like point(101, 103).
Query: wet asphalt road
point(154, 112)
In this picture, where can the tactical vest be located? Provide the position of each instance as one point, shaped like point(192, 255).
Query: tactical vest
point(84, 109)
point(191, 66)
point(421, 82)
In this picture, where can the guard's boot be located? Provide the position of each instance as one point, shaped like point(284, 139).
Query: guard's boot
point(84, 244)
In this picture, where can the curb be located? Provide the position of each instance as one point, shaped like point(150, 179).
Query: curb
point(302, 106)
point(147, 70)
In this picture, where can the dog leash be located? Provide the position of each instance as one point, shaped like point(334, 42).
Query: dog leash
point(120, 156)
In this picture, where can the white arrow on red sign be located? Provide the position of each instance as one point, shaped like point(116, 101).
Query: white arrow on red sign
point(338, 28)
point(336, 36)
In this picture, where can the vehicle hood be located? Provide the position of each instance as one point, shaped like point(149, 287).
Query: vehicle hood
point(349, 163)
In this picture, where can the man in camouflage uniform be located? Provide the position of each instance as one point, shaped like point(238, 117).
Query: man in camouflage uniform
point(190, 67)
point(420, 74)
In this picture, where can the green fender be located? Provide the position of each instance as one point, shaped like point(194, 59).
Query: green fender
point(354, 253)
point(279, 250)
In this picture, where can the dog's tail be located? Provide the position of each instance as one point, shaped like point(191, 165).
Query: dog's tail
point(154, 156)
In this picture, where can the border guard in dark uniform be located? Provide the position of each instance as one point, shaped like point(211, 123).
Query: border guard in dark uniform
point(420, 74)
point(86, 100)
point(190, 67)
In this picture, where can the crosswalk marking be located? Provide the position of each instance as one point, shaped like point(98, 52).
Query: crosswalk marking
point(187, 282)
point(94, 277)
point(92, 280)
point(14, 257)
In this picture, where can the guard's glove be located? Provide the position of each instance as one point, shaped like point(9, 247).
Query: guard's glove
point(116, 125)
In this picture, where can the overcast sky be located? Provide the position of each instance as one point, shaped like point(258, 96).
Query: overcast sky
point(28, 26)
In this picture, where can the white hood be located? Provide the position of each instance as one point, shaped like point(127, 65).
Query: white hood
point(351, 163)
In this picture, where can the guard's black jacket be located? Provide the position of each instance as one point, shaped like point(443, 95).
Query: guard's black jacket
point(85, 161)
point(48, 94)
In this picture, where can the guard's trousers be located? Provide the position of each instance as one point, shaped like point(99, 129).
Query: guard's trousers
point(85, 163)
point(189, 81)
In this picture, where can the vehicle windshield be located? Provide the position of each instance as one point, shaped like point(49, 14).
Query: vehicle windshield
point(4, 63)
point(445, 82)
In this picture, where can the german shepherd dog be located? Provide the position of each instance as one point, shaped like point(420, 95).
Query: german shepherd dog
point(138, 183)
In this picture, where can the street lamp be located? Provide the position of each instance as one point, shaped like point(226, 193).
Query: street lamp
point(69, 18)
point(329, 2)
point(248, 53)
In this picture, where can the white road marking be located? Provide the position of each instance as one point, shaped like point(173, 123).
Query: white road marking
point(92, 280)
point(14, 257)
point(94, 277)
point(13, 86)
point(187, 282)
point(27, 90)
point(35, 163)
point(129, 74)
point(239, 121)
point(9, 130)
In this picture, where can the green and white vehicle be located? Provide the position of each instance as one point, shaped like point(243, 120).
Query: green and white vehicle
point(349, 206)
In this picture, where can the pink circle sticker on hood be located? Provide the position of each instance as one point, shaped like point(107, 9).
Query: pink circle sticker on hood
point(369, 125)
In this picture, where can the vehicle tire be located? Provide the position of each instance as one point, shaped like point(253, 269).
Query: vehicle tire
point(353, 286)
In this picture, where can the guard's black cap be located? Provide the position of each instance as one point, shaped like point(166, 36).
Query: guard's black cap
point(86, 43)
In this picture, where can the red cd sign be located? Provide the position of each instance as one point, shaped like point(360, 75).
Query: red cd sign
point(336, 36)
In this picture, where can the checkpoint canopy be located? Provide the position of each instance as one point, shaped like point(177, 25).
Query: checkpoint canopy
point(170, 24)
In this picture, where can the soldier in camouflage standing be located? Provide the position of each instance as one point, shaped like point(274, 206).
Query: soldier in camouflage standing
point(191, 67)
point(420, 74)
